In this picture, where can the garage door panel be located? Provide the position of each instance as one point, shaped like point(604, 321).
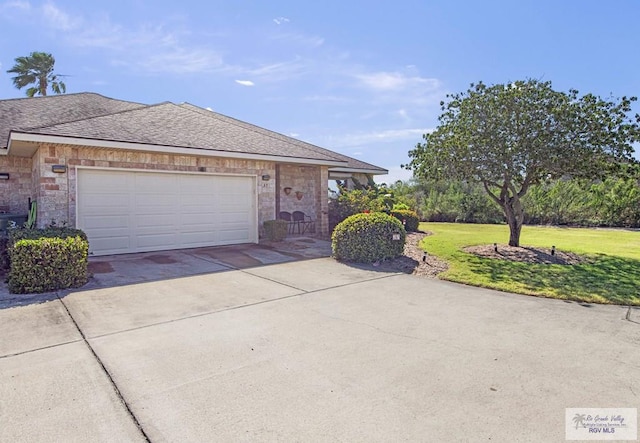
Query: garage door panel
point(106, 182)
point(155, 241)
point(195, 239)
point(115, 245)
point(103, 222)
point(192, 185)
point(194, 199)
point(237, 218)
point(151, 183)
point(153, 223)
point(125, 211)
point(233, 236)
point(155, 200)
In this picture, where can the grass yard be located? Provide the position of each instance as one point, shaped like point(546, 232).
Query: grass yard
point(611, 276)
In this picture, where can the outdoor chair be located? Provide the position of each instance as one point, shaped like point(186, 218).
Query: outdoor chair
point(291, 224)
point(305, 222)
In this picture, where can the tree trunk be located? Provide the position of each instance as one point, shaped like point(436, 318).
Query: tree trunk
point(515, 217)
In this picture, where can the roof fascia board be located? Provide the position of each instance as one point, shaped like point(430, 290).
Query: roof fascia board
point(64, 140)
point(359, 170)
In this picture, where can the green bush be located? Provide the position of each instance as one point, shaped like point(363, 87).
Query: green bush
point(49, 232)
point(44, 263)
point(4, 254)
point(275, 230)
point(366, 238)
point(411, 220)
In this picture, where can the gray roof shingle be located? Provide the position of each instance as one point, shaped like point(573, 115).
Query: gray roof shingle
point(26, 113)
point(92, 116)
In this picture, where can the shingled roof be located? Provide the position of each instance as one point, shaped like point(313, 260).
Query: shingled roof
point(93, 117)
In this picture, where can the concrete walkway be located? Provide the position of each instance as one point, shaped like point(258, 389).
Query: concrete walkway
point(308, 350)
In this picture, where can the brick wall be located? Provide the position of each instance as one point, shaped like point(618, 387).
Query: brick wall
point(308, 192)
point(15, 192)
point(56, 193)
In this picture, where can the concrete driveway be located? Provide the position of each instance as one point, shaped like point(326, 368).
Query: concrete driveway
point(308, 350)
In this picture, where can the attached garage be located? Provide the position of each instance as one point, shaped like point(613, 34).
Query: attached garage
point(139, 211)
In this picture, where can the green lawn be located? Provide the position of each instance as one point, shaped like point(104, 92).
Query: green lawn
point(612, 276)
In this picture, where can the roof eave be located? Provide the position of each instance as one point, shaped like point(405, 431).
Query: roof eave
point(359, 170)
point(21, 137)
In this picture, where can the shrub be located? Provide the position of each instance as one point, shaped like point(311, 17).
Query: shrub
point(49, 232)
point(4, 254)
point(366, 238)
point(400, 206)
point(41, 262)
point(275, 230)
point(411, 220)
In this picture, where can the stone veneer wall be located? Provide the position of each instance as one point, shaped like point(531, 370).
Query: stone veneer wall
point(312, 183)
point(15, 192)
point(56, 193)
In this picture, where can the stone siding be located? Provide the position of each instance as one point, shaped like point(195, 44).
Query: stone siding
point(15, 192)
point(308, 192)
point(56, 193)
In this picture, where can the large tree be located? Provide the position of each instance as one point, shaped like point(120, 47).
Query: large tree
point(37, 69)
point(509, 137)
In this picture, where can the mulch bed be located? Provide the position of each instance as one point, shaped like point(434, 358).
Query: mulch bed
point(527, 255)
point(414, 260)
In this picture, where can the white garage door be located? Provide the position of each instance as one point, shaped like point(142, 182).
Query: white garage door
point(124, 212)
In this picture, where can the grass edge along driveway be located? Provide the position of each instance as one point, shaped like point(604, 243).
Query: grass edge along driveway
point(612, 275)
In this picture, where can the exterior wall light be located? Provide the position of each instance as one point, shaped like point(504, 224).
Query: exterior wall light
point(4, 176)
point(59, 169)
point(266, 177)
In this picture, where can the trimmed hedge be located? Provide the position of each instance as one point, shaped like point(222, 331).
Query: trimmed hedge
point(41, 261)
point(50, 232)
point(275, 230)
point(411, 219)
point(366, 238)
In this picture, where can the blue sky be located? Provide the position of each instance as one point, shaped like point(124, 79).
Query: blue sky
point(359, 77)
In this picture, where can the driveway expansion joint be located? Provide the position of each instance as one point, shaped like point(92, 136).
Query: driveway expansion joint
point(106, 372)
point(39, 349)
point(189, 317)
point(232, 308)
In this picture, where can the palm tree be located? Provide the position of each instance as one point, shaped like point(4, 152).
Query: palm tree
point(37, 69)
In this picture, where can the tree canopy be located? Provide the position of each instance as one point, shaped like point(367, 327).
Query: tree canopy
point(37, 69)
point(509, 137)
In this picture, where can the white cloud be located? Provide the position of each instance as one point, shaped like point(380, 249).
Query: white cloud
point(294, 135)
point(403, 114)
point(280, 20)
point(149, 48)
point(399, 89)
point(388, 136)
point(326, 98)
point(302, 40)
point(396, 81)
point(179, 60)
point(15, 6)
point(59, 19)
point(275, 72)
point(245, 82)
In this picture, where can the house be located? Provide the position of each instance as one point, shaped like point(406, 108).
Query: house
point(139, 177)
